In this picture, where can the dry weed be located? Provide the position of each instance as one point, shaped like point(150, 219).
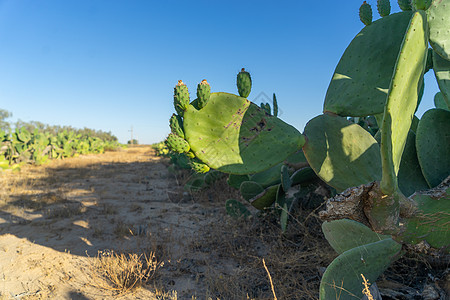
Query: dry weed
point(122, 272)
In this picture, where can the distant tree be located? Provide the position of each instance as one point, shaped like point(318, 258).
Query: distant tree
point(133, 142)
point(5, 125)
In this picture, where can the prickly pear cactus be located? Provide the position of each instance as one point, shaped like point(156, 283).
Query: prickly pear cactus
point(341, 153)
point(439, 23)
point(421, 4)
point(384, 7)
point(433, 145)
point(198, 166)
point(235, 136)
point(177, 144)
point(365, 13)
point(180, 97)
point(203, 93)
point(441, 68)
point(275, 105)
point(244, 83)
point(176, 125)
point(441, 102)
point(236, 209)
point(363, 75)
point(343, 276)
point(404, 5)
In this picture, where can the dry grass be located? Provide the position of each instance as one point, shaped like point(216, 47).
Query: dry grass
point(122, 272)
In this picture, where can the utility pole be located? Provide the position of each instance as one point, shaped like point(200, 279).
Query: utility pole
point(131, 141)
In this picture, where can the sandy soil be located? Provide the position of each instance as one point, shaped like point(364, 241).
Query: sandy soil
point(55, 218)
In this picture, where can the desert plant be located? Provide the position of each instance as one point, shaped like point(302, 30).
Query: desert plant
point(378, 75)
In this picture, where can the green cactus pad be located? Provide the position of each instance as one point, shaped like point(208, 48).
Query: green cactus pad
point(433, 145)
point(176, 125)
point(404, 5)
point(250, 189)
point(342, 279)
point(235, 136)
point(303, 176)
point(402, 99)
point(268, 177)
point(177, 144)
point(244, 83)
point(431, 223)
point(410, 177)
point(236, 180)
point(362, 77)
point(286, 181)
point(421, 4)
point(441, 69)
point(345, 234)
point(365, 13)
point(203, 93)
point(341, 153)
point(440, 102)
point(212, 176)
point(236, 209)
point(384, 7)
point(414, 124)
point(194, 184)
point(439, 23)
point(265, 198)
point(275, 106)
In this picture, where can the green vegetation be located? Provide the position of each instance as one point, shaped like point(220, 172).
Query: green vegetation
point(368, 145)
point(36, 143)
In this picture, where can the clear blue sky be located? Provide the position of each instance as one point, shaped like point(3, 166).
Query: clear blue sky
point(110, 65)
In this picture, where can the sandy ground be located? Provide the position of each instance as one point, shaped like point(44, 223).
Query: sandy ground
point(55, 218)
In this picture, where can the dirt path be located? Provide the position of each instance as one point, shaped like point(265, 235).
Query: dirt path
point(55, 218)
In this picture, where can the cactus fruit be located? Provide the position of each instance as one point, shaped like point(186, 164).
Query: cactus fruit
point(404, 4)
point(203, 93)
point(244, 83)
point(275, 105)
point(384, 7)
point(365, 13)
point(439, 23)
point(181, 97)
point(176, 125)
point(198, 166)
point(177, 144)
point(362, 77)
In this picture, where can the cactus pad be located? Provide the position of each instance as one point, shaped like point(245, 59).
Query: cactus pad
point(440, 102)
point(250, 189)
point(235, 136)
point(439, 23)
point(275, 105)
point(342, 279)
point(268, 177)
point(402, 99)
point(404, 5)
point(362, 77)
point(236, 209)
point(341, 153)
point(433, 145)
point(347, 234)
point(236, 180)
point(441, 69)
point(265, 198)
